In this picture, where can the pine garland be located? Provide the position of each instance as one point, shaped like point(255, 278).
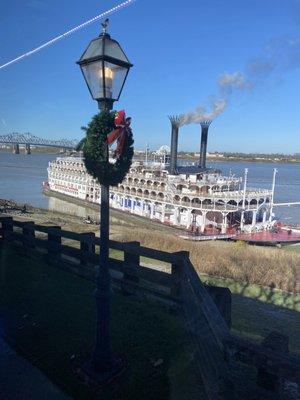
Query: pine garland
point(94, 147)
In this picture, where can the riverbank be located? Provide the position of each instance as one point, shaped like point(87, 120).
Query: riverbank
point(185, 156)
point(287, 160)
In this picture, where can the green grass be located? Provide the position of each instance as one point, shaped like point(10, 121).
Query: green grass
point(265, 294)
point(258, 310)
point(145, 261)
point(293, 248)
point(48, 316)
point(119, 255)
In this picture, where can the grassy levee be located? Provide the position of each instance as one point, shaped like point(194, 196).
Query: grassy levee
point(48, 316)
point(265, 294)
point(273, 267)
point(257, 310)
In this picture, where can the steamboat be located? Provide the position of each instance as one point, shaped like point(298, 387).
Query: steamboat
point(194, 198)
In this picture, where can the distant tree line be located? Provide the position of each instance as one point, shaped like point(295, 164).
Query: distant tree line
point(279, 156)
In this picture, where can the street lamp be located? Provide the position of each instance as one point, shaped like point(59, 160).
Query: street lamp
point(105, 68)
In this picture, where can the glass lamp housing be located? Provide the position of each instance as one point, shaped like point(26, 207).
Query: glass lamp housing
point(105, 68)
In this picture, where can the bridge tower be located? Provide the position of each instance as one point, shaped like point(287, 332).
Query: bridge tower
point(16, 148)
point(27, 148)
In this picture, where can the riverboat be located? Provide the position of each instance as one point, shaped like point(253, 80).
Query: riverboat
point(194, 198)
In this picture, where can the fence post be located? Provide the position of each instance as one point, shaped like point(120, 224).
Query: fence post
point(28, 234)
point(131, 268)
point(222, 298)
point(7, 227)
point(177, 272)
point(87, 244)
point(278, 343)
point(54, 242)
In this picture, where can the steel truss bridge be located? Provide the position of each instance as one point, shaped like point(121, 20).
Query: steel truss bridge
point(28, 140)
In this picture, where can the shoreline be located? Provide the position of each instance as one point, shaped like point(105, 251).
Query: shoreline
point(117, 217)
point(250, 160)
point(186, 158)
point(124, 217)
point(113, 211)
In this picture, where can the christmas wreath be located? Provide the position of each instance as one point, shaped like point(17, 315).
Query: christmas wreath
point(104, 129)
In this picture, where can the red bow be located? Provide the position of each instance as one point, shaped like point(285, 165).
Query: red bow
point(120, 133)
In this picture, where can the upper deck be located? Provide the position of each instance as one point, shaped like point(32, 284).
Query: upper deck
point(154, 182)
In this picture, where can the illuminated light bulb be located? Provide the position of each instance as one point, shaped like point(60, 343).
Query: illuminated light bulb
point(109, 76)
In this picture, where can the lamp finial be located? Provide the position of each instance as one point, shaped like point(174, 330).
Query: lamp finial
point(105, 26)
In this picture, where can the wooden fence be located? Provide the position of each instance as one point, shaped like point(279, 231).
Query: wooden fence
point(79, 253)
point(177, 284)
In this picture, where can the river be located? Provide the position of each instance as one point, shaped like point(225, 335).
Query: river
point(21, 178)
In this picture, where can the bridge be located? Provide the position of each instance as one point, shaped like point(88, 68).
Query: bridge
point(27, 139)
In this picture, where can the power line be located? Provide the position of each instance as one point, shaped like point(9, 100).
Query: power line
point(56, 39)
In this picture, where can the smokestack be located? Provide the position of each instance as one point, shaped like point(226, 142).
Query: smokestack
point(203, 148)
point(175, 123)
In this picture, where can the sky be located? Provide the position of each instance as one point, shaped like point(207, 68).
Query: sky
point(180, 51)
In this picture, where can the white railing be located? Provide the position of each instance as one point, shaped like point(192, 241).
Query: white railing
point(200, 206)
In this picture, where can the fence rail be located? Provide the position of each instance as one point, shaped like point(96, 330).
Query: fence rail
point(206, 310)
point(83, 256)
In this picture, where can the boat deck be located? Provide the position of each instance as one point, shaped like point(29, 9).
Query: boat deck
point(270, 238)
point(265, 238)
point(199, 238)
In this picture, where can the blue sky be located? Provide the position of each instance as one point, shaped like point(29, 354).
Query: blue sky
point(178, 48)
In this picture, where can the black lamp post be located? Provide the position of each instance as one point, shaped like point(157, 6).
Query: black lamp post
point(105, 68)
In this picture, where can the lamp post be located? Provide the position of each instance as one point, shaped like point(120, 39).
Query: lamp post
point(105, 68)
